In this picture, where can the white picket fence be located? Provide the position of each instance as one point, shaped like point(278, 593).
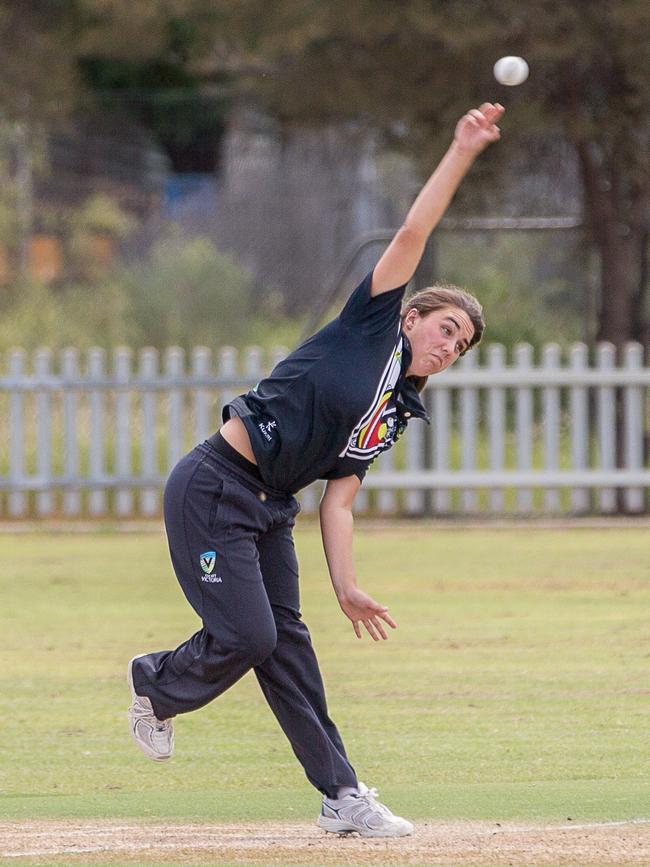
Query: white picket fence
point(556, 436)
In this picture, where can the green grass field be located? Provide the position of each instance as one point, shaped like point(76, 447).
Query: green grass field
point(516, 686)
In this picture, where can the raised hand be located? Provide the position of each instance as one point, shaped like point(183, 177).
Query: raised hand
point(361, 608)
point(478, 128)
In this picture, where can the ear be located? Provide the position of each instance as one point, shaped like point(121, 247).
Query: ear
point(409, 319)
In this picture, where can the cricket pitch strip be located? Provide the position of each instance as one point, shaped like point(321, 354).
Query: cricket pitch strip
point(433, 843)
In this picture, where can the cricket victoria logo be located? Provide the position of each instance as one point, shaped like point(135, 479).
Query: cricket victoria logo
point(208, 561)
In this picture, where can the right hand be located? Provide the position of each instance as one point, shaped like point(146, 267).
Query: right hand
point(361, 608)
point(478, 128)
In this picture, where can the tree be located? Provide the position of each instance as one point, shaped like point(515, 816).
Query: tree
point(86, 59)
point(416, 64)
point(143, 60)
point(161, 86)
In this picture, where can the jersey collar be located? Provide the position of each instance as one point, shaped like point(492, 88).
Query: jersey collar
point(408, 398)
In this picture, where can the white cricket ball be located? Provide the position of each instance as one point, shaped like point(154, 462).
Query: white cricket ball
point(511, 70)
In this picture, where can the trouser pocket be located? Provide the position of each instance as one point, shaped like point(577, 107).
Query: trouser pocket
point(216, 505)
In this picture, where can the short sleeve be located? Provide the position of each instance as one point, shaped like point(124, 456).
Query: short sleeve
point(372, 316)
point(349, 467)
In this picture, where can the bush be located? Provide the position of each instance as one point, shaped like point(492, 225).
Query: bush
point(531, 286)
point(75, 316)
point(186, 293)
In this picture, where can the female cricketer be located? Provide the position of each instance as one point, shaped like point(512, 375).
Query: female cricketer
point(325, 412)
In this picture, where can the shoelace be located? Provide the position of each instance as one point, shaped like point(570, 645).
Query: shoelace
point(371, 795)
point(160, 725)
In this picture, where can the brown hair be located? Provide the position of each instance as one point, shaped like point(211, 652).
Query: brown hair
point(437, 298)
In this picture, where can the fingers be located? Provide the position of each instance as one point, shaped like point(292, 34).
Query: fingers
point(378, 628)
point(370, 628)
point(478, 116)
point(371, 614)
point(388, 619)
point(375, 627)
point(486, 116)
point(477, 128)
point(492, 112)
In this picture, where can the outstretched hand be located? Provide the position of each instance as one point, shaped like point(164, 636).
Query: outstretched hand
point(361, 608)
point(478, 128)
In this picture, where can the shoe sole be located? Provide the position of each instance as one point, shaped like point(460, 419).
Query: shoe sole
point(336, 826)
point(129, 680)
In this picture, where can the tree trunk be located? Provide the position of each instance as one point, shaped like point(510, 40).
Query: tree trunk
point(617, 215)
point(619, 230)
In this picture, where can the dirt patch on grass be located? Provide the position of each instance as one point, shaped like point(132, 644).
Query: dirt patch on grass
point(458, 843)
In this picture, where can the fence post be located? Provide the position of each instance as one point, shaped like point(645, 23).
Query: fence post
point(440, 436)
point(174, 370)
point(227, 367)
point(633, 409)
point(620, 402)
point(17, 502)
point(606, 402)
point(43, 370)
point(253, 368)
point(70, 373)
point(386, 499)
point(96, 401)
point(149, 499)
point(496, 410)
point(468, 426)
point(415, 501)
point(524, 424)
point(551, 422)
point(201, 362)
point(360, 504)
point(123, 457)
point(579, 426)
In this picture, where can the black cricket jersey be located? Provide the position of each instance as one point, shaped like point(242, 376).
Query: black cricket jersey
point(333, 404)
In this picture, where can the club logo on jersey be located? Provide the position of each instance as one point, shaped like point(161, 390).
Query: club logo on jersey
point(377, 428)
point(374, 433)
point(208, 561)
point(267, 429)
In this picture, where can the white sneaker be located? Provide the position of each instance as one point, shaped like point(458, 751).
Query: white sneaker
point(362, 813)
point(154, 736)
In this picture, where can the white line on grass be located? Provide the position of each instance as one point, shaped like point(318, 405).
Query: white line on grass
point(589, 826)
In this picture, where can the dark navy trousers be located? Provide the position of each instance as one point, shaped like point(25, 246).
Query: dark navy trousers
point(231, 545)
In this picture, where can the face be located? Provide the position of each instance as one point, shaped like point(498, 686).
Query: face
point(437, 339)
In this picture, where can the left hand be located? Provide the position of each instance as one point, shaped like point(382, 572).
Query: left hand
point(361, 608)
point(478, 128)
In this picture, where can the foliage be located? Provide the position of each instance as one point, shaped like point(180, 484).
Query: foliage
point(99, 216)
point(80, 316)
point(164, 96)
point(526, 296)
point(38, 44)
point(412, 68)
point(138, 60)
point(408, 69)
point(185, 293)
point(188, 293)
point(421, 63)
point(56, 38)
point(8, 210)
